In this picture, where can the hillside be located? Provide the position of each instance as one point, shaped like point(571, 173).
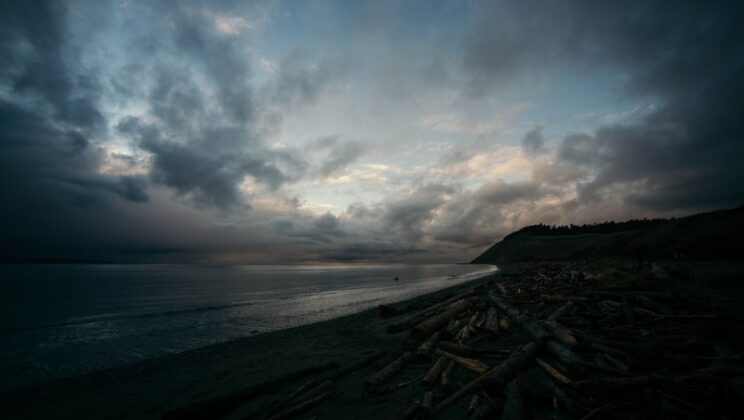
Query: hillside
point(717, 235)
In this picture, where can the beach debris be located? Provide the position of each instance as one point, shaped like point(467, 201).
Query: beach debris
point(513, 405)
point(471, 364)
point(572, 342)
point(434, 323)
point(425, 411)
point(435, 372)
point(302, 407)
point(473, 404)
point(388, 371)
point(448, 374)
point(495, 377)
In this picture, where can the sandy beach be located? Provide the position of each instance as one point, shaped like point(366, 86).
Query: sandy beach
point(545, 340)
point(262, 369)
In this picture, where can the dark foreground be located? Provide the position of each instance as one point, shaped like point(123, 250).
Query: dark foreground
point(552, 340)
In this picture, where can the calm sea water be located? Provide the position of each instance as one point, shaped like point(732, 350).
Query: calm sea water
point(62, 320)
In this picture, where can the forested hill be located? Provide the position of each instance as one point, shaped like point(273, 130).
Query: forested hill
point(717, 235)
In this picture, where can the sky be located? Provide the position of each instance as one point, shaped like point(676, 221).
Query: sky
point(356, 131)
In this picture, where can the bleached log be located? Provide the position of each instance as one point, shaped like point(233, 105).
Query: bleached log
point(448, 373)
point(425, 411)
point(537, 333)
point(471, 364)
point(497, 376)
point(436, 322)
point(411, 411)
point(436, 370)
point(492, 321)
point(560, 332)
point(563, 310)
point(429, 344)
point(553, 372)
point(513, 404)
point(388, 371)
point(427, 312)
point(313, 392)
point(473, 404)
point(301, 408)
point(458, 349)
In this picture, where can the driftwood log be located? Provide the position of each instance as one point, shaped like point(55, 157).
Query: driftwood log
point(448, 373)
point(435, 372)
point(388, 371)
point(513, 405)
point(425, 412)
point(301, 408)
point(458, 349)
point(471, 364)
point(497, 376)
point(537, 332)
point(438, 321)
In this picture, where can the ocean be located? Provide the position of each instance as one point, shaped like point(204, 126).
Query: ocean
point(64, 320)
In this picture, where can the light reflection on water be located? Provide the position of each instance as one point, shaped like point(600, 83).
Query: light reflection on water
point(58, 321)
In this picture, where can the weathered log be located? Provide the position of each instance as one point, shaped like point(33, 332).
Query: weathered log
point(313, 392)
point(427, 312)
point(504, 325)
point(411, 411)
point(425, 411)
point(436, 322)
point(301, 408)
point(501, 288)
point(513, 404)
point(653, 305)
point(492, 321)
point(388, 371)
point(615, 362)
point(429, 344)
point(553, 372)
point(471, 364)
point(454, 328)
point(458, 349)
point(435, 371)
point(304, 388)
point(484, 411)
point(560, 332)
point(497, 376)
point(448, 374)
point(537, 333)
point(473, 404)
point(563, 310)
point(464, 334)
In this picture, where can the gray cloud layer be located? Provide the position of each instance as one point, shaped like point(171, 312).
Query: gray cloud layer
point(206, 130)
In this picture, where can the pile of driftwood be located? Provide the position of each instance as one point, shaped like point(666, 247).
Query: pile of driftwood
point(547, 344)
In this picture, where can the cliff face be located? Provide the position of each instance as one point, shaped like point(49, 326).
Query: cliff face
point(718, 235)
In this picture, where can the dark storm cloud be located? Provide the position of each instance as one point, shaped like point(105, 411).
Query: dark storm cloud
point(204, 131)
point(686, 56)
point(48, 118)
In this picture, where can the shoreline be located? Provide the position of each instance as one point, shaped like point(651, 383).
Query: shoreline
point(183, 378)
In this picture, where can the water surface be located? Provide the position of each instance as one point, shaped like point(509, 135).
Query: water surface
point(62, 320)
